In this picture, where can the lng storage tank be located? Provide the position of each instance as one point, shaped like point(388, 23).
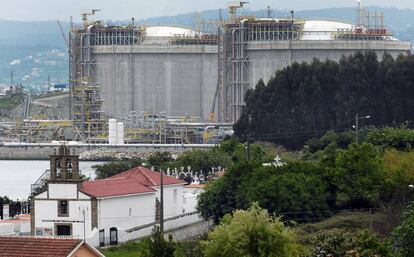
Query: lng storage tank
point(180, 71)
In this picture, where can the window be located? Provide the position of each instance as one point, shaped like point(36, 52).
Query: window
point(63, 208)
point(63, 229)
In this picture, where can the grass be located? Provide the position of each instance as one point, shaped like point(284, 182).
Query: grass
point(129, 249)
point(47, 95)
point(11, 102)
point(349, 221)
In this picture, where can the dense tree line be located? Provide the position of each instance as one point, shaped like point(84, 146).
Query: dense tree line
point(306, 100)
point(200, 161)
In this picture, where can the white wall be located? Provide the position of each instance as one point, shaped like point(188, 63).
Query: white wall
point(126, 212)
point(63, 191)
point(171, 207)
point(190, 198)
point(46, 214)
point(6, 229)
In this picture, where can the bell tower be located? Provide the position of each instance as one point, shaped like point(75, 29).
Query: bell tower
point(64, 166)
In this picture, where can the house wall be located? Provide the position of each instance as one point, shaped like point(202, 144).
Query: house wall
point(173, 205)
point(190, 198)
point(126, 212)
point(84, 251)
point(46, 210)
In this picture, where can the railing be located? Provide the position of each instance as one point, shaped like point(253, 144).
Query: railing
point(40, 182)
point(155, 223)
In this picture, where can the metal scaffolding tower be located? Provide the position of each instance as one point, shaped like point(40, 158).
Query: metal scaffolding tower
point(88, 119)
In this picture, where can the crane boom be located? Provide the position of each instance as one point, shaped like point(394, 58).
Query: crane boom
point(63, 34)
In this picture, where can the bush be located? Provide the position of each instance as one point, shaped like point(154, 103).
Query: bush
point(360, 176)
point(250, 233)
point(404, 234)
point(345, 244)
point(296, 191)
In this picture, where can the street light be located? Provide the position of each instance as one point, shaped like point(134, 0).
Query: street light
point(357, 118)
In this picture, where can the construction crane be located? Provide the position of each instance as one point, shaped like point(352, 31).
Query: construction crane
point(63, 34)
point(233, 7)
point(85, 15)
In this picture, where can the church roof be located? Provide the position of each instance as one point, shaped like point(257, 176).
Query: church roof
point(138, 180)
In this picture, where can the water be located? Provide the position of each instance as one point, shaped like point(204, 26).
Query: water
point(17, 176)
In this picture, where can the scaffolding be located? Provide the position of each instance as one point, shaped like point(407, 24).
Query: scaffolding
point(233, 57)
point(206, 39)
point(370, 26)
point(89, 122)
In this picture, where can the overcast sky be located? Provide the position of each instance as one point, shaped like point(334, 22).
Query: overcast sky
point(39, 10)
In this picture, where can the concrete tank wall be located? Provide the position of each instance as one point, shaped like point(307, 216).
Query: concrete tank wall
point(182, 79)
point(265, 58)
point(173, 79)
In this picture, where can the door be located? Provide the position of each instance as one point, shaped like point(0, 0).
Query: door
point(63, 230)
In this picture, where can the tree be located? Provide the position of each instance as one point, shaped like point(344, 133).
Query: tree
point(306, 100)
point(112, 168)
point(339, 242)
point(203, 161)
point(400, 138)
point(158, 246)
point(296, 190)
point(160, 159)
point(360, 176)
point(220, 196)
point(250, 233)
point(404, 234)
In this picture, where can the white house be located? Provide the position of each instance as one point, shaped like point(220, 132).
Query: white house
point(66, 206)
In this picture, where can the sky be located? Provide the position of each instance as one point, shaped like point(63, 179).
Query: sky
point(41, 10)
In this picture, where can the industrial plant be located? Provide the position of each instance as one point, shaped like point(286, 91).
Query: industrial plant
point(178, 85)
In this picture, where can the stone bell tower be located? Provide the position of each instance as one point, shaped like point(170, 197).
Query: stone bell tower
point(64, 166)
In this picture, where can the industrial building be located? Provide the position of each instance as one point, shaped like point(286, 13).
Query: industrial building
point(116, 70)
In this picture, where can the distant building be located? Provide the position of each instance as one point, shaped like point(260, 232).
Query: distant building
point(11, 90)
point(42, 247)
point(59, 88)
point(64, 205)
point(18, 226)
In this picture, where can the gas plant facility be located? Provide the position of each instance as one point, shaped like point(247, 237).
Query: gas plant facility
point(173, 84)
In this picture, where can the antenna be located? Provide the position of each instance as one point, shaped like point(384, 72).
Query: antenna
point(359, 14)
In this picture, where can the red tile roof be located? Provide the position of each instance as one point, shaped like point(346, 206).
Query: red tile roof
point(134, 181)
point(19, 219)
point(36, 247)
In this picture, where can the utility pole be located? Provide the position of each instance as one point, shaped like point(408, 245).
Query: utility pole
point(249, 137)
point(84, 225)
point(356, 128)
point(357, 118)
point(162, 202)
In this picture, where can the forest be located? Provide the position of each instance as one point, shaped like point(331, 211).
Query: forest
point(305, 100)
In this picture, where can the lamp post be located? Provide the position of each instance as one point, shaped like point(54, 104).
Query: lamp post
point(162, 202)
point(357, 118)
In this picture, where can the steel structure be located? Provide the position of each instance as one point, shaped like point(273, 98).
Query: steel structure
point(239, 36)
point(232, 50)
point(86, 102)
point(204, 71)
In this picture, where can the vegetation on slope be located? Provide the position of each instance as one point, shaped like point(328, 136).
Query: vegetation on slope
point(306, 100)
